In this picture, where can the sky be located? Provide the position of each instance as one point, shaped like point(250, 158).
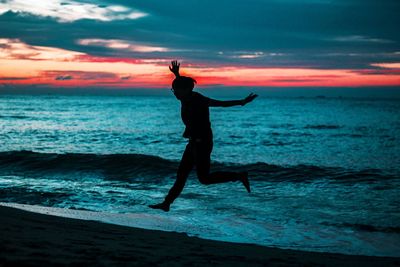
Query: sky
point(129, 44)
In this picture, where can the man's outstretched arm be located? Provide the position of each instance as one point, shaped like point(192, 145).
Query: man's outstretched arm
point(231, 103)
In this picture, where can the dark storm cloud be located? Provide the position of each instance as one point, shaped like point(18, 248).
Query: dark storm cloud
point(313, 33)
point(63, 77)
point(13, 78)
point(79, 75)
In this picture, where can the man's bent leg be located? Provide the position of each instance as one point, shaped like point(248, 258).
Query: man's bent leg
point(203, 159)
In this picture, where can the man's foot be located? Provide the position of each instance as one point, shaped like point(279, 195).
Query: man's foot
point(162, 206)
point(245, 181)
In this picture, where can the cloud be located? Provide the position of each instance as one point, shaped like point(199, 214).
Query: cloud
point(79, 75)
point(395, 65)
point(14, 78)
point(361, 39)
point(15, 49)
point(122, 45)
point(304, 33)
point(251, 55)
point(63, 77)
point(382, 69)
point(379, 72)
point(284, 35)
point(69, 11)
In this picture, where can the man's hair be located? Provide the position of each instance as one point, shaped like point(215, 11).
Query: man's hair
point(183, 83)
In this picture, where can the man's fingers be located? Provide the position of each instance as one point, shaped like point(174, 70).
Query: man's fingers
point(174, 65)
point(250, 97)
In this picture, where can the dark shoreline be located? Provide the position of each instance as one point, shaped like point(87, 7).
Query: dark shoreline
point(31, 239)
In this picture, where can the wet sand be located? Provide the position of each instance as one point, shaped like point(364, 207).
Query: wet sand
point(31, 239)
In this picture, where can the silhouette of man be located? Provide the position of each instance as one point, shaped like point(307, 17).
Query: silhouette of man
point(195, 116)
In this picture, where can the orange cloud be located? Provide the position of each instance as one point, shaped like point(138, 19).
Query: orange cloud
point(387, 65)
point(14, 49)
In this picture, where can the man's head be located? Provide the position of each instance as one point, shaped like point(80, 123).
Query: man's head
point(183, 86)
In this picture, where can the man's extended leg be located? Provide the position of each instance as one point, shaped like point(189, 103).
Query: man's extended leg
point(202, 157)
point(185, 166)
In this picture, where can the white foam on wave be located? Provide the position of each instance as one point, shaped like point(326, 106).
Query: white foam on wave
point(140, 220)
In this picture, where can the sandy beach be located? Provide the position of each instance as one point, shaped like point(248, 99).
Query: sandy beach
point(31, 239)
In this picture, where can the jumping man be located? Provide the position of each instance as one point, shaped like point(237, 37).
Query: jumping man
point(195, 116)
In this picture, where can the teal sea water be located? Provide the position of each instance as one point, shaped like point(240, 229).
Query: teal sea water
point(325, 172)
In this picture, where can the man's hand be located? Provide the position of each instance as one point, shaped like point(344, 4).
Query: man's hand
point(174, 68)
point(249, 98)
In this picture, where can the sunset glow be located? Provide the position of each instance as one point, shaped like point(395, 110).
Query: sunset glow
point(21, 63)
point(81, 44)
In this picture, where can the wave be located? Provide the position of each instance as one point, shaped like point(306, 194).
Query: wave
point(13, 117)
point(323, 127)
point(366, 227)
point(138, 166)
point(33, 196)
point(115, 166)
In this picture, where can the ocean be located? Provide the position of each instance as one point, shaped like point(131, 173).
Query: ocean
point(325, 172)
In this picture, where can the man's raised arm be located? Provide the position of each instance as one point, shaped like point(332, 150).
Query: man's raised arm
point(174, 68)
